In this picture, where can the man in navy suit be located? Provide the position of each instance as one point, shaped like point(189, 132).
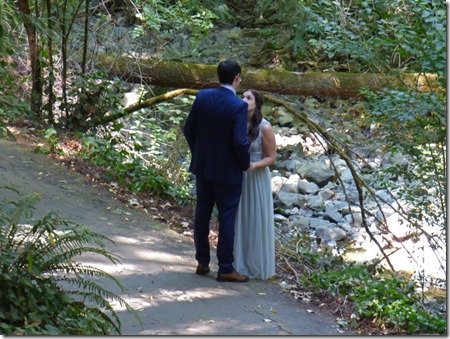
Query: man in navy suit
point(216, 132)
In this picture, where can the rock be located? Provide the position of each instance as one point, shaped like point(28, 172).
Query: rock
point(300, 220)
point(305, 212)
point(315, 203)
point(279, 217)
point(318, 222)
point(311, 103)
point(332, 215)
point(286, 200)
point(301, 127)
point(292, 165)
point(385, 195)
point(298, 151)
point(337, 205)
point(350, 209)
point(330, 233)
point(359, 239)
point(326, 194)
point(330, 186)
point(306, 187)
point(285, 120)
point(395, 159)
point(347, 228)
point(279, 112)
point(355, 221)
point(291, 184)
point(234, 33)
point(346, 175)
point(292, 211)
point(277, 183)
point(321, 174)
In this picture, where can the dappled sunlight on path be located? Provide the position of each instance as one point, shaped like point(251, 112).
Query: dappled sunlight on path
point(157, 264)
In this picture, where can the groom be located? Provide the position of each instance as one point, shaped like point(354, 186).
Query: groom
point(216, 132)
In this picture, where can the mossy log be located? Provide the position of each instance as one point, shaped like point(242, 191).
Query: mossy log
point(196, 76)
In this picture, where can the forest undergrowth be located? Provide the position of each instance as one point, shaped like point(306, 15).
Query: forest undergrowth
point(291, 272)
point(45, 81)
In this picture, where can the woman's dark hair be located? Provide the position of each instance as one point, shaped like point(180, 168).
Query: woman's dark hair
point(256, 119)
point(227, 71)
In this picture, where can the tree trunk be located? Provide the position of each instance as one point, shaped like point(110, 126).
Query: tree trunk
point(33, 45)
point(197, 76)
point(66, 17)
point(51, 68)
point(86, 37)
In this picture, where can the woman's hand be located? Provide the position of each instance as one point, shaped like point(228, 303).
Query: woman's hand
point(251, 167)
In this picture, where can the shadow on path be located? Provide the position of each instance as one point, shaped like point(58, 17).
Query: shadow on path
point(158, 264)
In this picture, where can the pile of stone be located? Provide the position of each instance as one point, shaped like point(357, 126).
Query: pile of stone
point(309, 198)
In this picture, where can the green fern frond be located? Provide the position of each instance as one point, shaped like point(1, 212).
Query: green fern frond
point(48, 263)
point(38, 266)
point(91, 298)
point(79, 271)
point(22, 208)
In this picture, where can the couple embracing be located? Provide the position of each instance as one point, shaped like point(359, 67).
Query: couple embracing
point(232, 146)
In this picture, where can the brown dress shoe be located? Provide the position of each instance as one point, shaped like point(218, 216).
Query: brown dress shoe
point(232, 277)
point(202, 269)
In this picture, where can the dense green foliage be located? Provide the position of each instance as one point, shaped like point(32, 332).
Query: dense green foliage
point(178, 16)
point(95, 96)
point(142, 152)
point(43, 290)
point(383, 36)
point(388, 298)
point(413, 125)
point(145, 152)
point(379, 36)
point(392, 300)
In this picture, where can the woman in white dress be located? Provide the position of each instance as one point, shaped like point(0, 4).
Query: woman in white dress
point(254, 244)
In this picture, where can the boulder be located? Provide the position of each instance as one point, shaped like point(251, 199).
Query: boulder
point(306, 187)
point(321, 174)
point(286, 200)
point(330, 233)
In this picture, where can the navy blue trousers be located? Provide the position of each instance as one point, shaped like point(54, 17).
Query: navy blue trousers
point(226, 198)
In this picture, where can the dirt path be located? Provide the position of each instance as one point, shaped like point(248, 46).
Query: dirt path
point(158, 264)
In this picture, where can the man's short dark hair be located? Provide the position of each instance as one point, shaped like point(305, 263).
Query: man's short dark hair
point(227, 71)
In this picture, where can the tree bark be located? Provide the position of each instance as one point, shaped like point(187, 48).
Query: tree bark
point(86, 37)
point(33, 45)
point(51, 68)
point(196, 76)
point(147, 103)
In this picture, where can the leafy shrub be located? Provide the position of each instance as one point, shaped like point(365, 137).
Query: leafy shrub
point(391, 301)
point(123, 164)
point(413, 125)
point(92, 98)
point(143, 152)
point(382, 35)
point(388, 298)
point(157, 18)
point(36, 261)
point(12, 105)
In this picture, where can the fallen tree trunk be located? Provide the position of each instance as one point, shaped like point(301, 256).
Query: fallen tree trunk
point(196, 76)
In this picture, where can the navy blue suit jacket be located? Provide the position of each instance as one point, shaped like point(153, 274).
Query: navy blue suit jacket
point(216, 132)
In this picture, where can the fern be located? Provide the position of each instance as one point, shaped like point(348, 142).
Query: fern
point(43, 290)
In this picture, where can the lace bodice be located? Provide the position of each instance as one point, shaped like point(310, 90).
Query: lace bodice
point(256, 149)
